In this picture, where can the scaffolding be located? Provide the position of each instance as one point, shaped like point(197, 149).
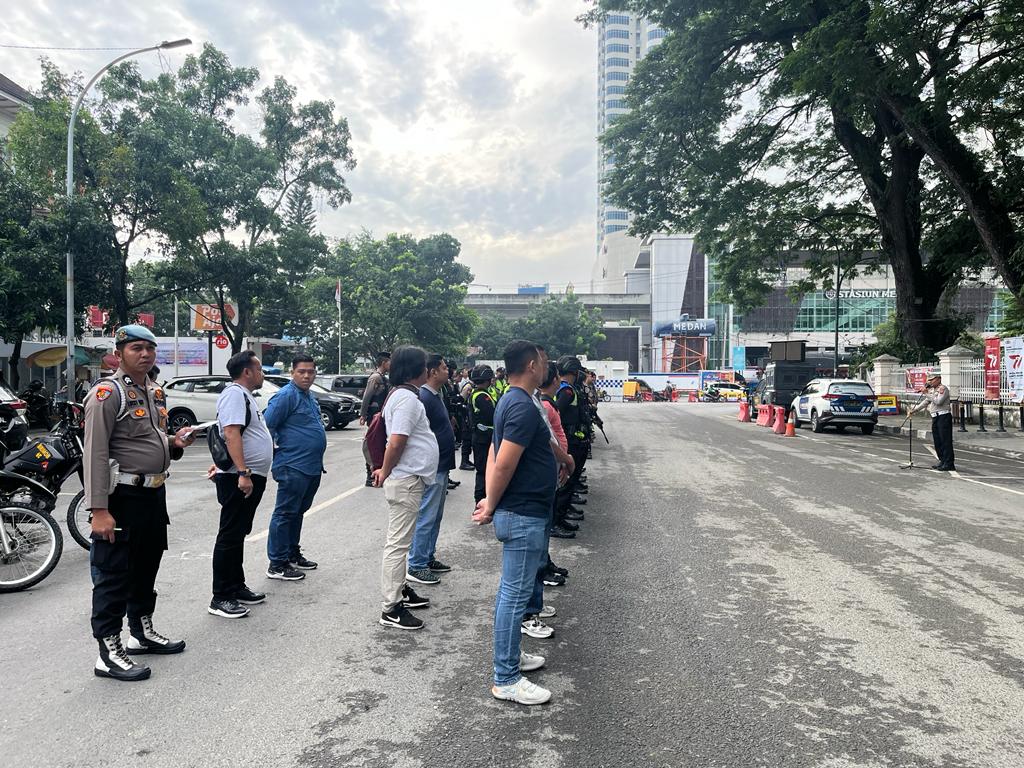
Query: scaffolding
point(684, 354)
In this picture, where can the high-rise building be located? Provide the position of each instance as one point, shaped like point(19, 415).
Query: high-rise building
point(623, 40)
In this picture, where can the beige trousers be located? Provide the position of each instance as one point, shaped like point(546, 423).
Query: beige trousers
point(403, 495)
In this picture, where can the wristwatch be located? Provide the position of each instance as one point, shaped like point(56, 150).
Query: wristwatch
point(245, 472)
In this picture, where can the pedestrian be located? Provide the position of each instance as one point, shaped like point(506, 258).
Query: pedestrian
point(936, 400)
point(240, 488)
point(551, 574)
point(481, 409)
point(374, 394)
point(522, 475)
point(293, 417)
point(127, 454)
point(410, 465)
point(423, 565)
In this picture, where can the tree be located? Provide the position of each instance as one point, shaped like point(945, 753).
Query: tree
point(561, 324)
point(744, 130)
point(398, 290)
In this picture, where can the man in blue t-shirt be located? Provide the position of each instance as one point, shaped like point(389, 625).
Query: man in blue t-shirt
point(521, 479)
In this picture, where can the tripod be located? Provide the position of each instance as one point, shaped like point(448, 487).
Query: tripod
point(910, 443)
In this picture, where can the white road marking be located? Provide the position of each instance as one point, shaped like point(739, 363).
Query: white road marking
point(266, 531)
point(956, 474)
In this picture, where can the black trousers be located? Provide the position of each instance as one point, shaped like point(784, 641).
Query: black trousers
point(236, 514)
point(563, 496)
point(467, 439)
point(942, 438)
point(480, 451)
point(124, 572)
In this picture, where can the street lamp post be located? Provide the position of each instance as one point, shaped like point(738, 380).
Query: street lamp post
point(70, 189)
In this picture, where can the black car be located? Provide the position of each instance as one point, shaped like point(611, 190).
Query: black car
point(337, 409)
point(349, 383)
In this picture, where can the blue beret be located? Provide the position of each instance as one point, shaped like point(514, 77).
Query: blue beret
point(127, 333)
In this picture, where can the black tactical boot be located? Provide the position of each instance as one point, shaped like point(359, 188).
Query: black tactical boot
point(145, 639)
point(115, 663)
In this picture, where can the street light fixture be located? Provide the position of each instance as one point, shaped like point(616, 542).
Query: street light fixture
point(70, 189)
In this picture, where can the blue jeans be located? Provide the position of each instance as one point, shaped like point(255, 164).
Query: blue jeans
point(295, 492)
point(537, 598)
point(523, 539)
point(428, 523)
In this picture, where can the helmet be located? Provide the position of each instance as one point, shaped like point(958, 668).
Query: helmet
point(481, 373)
point(35, 385)
point(568, 364)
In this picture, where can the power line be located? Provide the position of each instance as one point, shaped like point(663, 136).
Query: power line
point(62, 48)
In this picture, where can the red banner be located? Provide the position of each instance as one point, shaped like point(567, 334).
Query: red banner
point(992, 360)
point(917, 379)
point(98, 318)
point(147, 319)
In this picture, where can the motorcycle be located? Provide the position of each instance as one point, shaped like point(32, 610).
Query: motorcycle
point(51, 460)
point(30, 541)
point(40, 405)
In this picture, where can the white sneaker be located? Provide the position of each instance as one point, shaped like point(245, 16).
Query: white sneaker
point(534, 627)
point(547, 612)
point(522, 692)
point(530, 661)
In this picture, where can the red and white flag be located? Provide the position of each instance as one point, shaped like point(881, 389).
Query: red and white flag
point(337, 294)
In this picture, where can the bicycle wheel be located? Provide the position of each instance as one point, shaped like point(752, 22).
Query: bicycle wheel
point(30, 546)
point(79, 520)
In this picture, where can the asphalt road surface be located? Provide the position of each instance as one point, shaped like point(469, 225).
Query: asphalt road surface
point(737, 598)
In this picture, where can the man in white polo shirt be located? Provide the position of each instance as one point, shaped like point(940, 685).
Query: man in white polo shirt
point(410, 465)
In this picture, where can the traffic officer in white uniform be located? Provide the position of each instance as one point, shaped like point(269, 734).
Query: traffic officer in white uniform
point(127, 453)
point(936, 400)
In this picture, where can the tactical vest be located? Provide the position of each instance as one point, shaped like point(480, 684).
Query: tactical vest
point(476, 410)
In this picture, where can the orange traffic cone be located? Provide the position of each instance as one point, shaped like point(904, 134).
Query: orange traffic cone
point(791, 424)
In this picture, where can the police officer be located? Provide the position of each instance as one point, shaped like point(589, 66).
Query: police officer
point(127, 453)
point(499, 386)
point(481, 409)
point(936, 400)
point(571, 406)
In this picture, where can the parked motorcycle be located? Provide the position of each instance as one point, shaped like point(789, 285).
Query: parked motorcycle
point(30, 541)
point(40, 405)
point(53, 459)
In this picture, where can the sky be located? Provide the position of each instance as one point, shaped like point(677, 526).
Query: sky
point(473, 117)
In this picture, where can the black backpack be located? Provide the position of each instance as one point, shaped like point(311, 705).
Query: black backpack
point(218, 447)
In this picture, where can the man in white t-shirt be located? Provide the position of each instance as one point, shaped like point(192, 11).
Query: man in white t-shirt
point(410, 465)
point(240, 488)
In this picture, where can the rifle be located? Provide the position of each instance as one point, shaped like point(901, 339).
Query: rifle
point(600, 425)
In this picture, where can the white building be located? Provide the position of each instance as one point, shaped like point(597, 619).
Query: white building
point(623, 40)
point(13, 99)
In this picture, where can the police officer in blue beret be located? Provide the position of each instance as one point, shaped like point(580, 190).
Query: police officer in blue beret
point(127, 453)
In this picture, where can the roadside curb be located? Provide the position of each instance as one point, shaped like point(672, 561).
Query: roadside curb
point(925, 434)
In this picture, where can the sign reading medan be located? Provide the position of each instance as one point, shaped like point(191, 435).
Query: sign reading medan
point(684, 326)
point(862, 293)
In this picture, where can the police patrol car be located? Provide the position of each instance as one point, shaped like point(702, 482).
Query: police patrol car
point(838, 403)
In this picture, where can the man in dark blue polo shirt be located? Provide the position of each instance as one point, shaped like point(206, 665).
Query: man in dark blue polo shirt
point(293, 417)
point(521, 478)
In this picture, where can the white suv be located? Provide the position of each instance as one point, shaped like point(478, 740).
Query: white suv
point(193, 399)
point(838, 403)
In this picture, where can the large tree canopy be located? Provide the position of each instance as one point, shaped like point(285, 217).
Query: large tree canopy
point(752, 125)
point(560, 323)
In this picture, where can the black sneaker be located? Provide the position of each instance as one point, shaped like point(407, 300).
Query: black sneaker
point(559, 532)
point(563, 572)
point(467, 465)
point(568, 525)
point(303, 563)
point(574, 516)
point(229, 609)
point(284, 573)
point(453, 484)
point(411, 600)
point(577, 499)
point(551, 579)
point(438, 567)
point(400, 618)
point(113, 662)
point(246, 596)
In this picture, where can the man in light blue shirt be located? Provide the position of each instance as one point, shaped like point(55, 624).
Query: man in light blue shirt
point(293, 417)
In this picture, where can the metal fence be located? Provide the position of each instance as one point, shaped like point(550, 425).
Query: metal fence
point(972, 383)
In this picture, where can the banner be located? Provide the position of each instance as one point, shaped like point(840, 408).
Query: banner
point(206, 317)
point(887, 405)
point(190, 352)
point(98, 318)
point(917, 379)
point(1013, 348)
point(993, 357)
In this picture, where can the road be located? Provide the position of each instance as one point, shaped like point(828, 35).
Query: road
point(737, 598)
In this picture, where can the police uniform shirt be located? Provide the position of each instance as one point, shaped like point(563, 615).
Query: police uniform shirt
point(138, 441)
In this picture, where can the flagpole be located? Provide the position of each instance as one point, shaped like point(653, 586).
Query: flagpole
point(337, 300)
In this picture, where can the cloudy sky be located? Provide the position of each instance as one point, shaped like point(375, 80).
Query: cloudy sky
point(475, 117)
